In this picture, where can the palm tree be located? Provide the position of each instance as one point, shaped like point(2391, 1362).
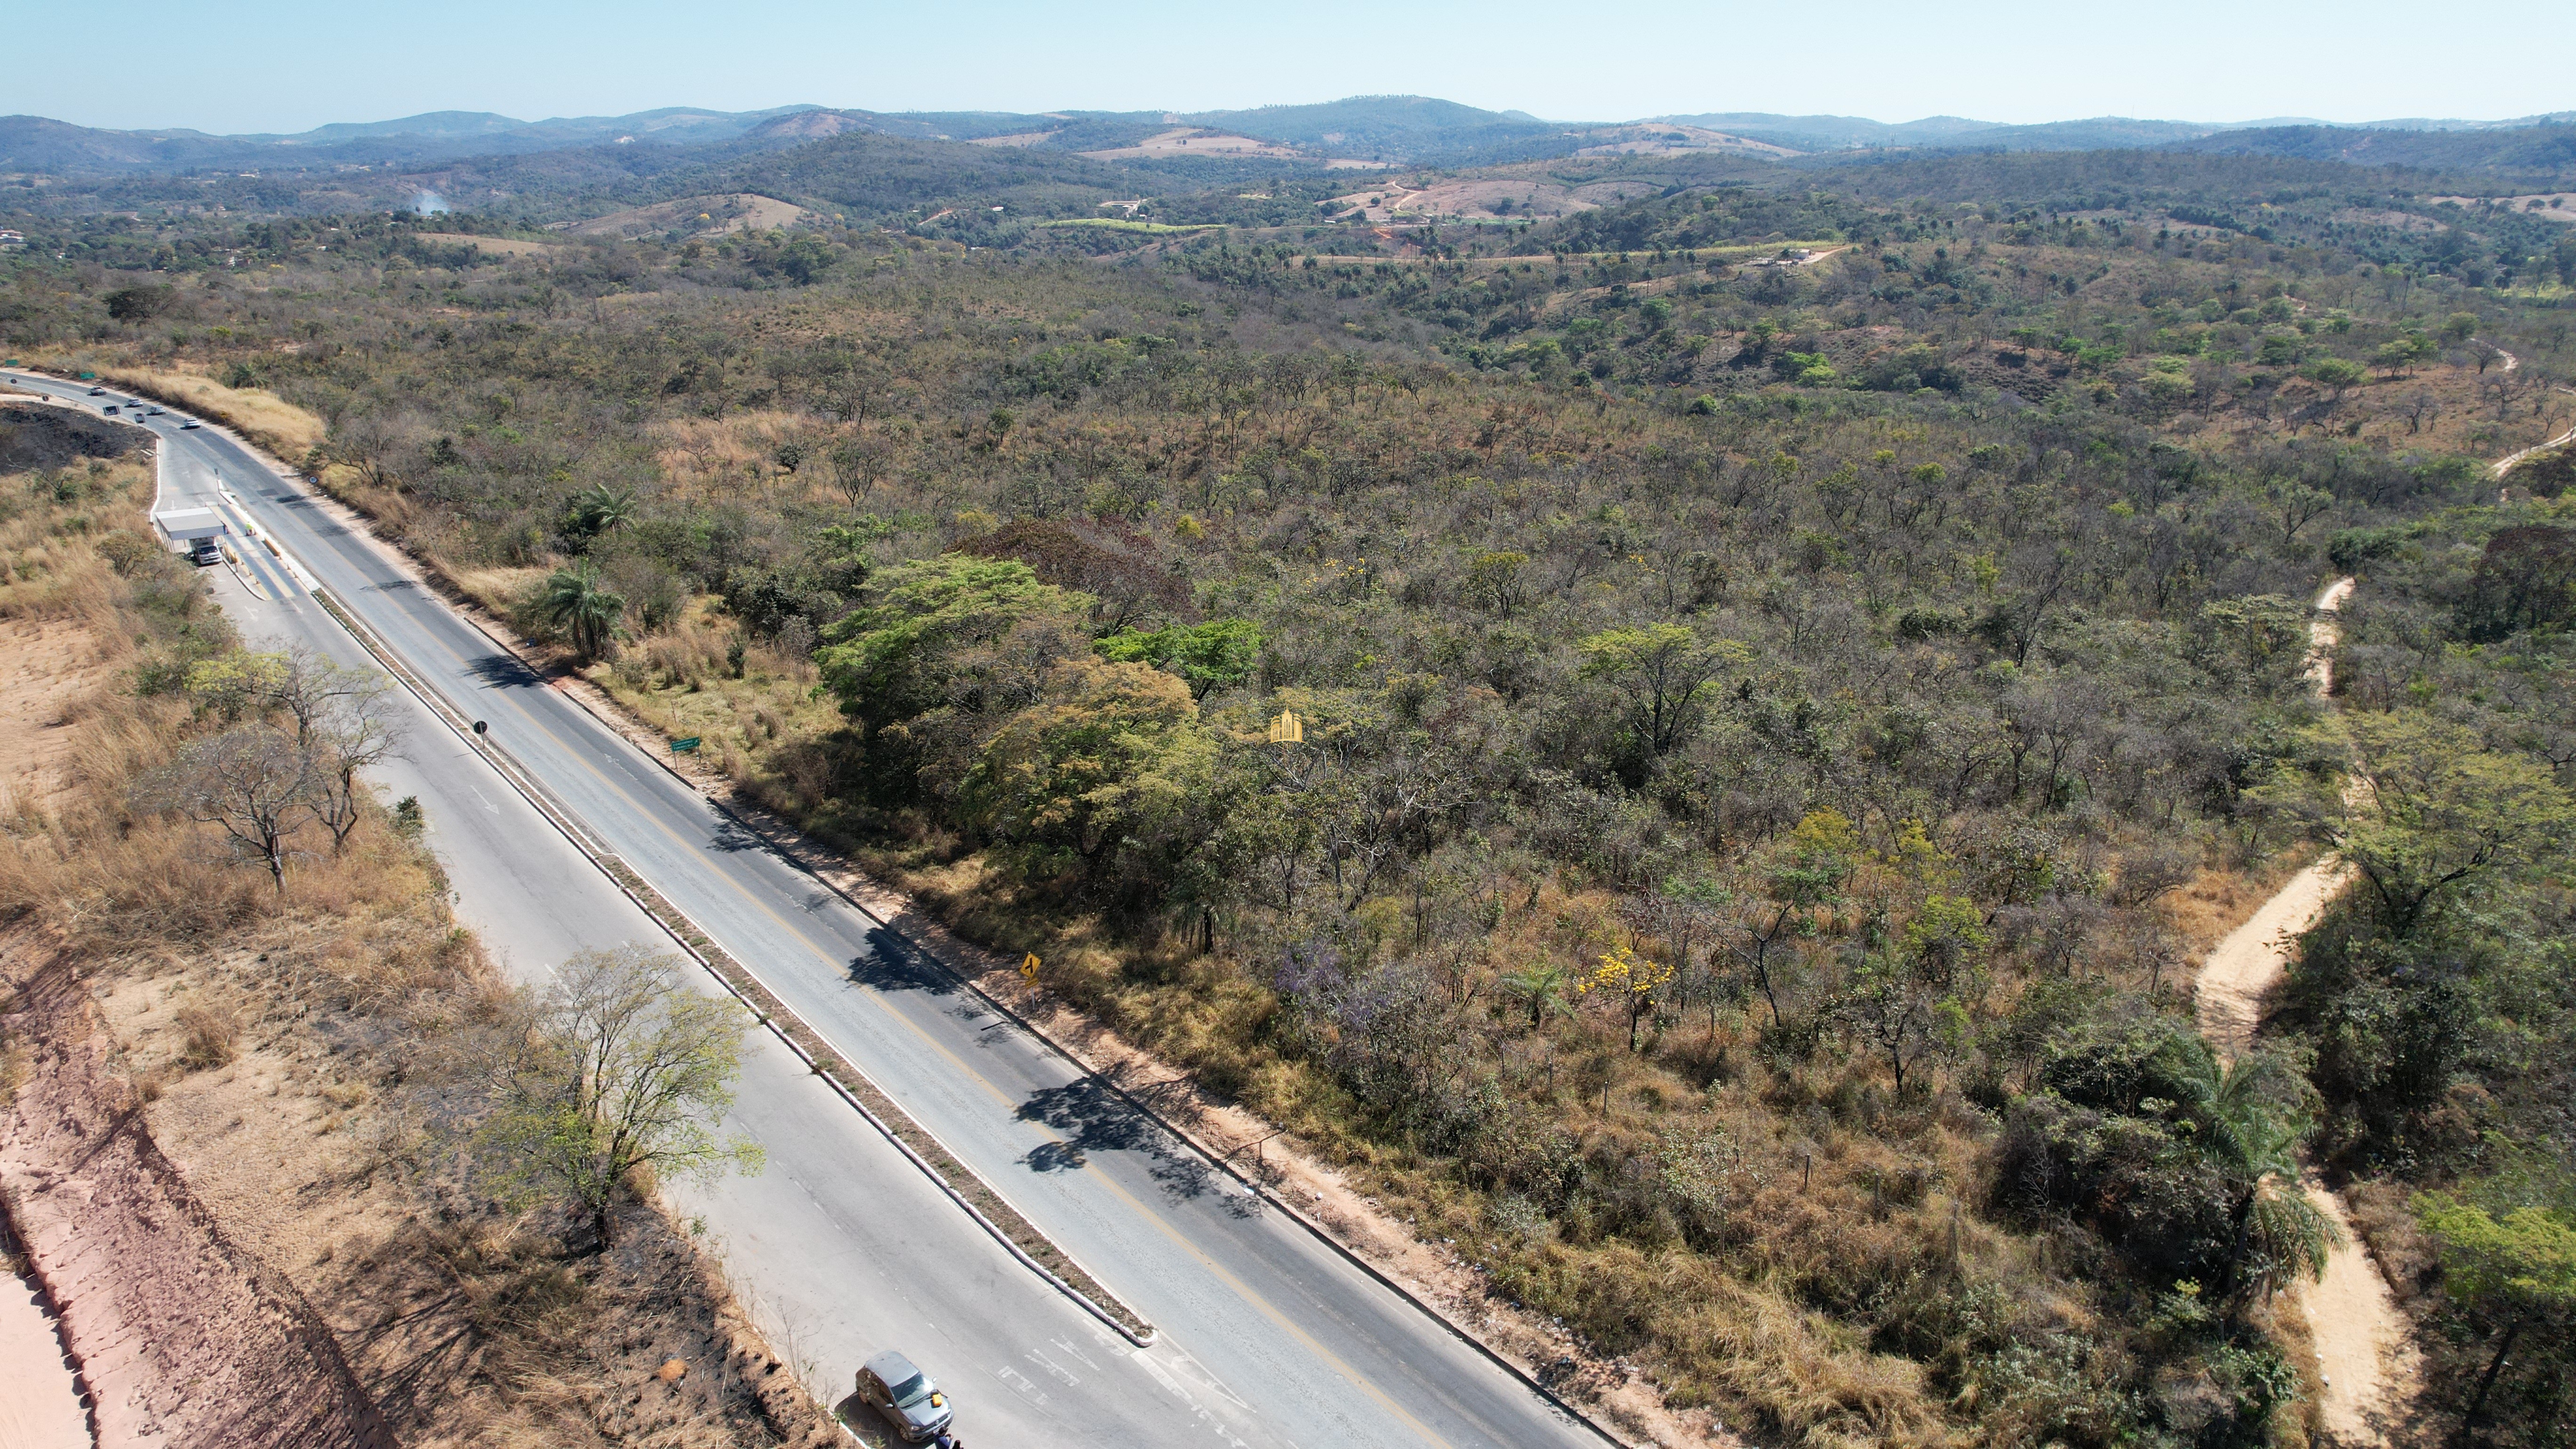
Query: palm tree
point(601, 510)
point(2250, 1130)
point(1542, 986)
point(589, 613)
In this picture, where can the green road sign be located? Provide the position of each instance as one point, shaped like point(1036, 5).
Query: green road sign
point(687, 746)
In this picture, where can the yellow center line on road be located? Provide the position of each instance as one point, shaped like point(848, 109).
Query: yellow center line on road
point(874, 998)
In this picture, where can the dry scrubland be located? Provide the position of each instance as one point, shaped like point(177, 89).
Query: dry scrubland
point(1778, 739)
point(294, 1057)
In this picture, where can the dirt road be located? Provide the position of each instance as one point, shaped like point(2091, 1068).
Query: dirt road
point(2361, 1344)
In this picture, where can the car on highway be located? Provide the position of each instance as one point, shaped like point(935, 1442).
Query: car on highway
point(904, 1397)
point(187, 423)
point(155, 412)
point(110, 410)
point(98, 392)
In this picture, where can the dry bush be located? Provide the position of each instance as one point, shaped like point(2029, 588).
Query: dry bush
point(213, 1031)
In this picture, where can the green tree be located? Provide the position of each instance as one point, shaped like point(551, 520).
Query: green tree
point(1109, 756)
point(1664, 669)
point(2439, 813)
point(617, 1068)
point(1495, 580)
point(897, 655)
point(2337, 375)
point(2513, 1272)
point(1805, 875)
point(1218, 654)
point(576, 602)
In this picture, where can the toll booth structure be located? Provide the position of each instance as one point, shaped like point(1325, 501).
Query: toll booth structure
point(180, 528)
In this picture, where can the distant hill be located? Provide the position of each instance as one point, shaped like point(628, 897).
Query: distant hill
point(1384, 128)
point(1391, 129)
point(2541, 153)
point(1831, 133)
point(34, 143)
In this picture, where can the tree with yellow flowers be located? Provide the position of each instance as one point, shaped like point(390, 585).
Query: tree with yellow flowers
point(1630, 979)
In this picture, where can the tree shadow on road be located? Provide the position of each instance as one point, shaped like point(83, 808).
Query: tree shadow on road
point(1093, 1119)
point(891, 964)
point(503, 671)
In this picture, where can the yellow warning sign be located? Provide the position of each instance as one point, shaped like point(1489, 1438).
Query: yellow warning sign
point(1029, 969)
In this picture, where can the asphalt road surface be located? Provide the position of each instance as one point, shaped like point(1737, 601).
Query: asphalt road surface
point(841, 1247)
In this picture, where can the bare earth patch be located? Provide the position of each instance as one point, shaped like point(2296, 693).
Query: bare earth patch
point(696, 216)
point(44, 667)
point(1195, 141)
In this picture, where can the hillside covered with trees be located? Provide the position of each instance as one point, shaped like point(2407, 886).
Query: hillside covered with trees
point(1793, 677)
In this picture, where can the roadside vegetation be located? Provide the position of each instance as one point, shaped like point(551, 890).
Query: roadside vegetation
point(312, 1034)
point(1776, 728)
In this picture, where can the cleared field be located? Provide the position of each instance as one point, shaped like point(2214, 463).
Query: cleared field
point(1660, 140)
point(696, 215)
point(1528, 195)
point(1194, 141)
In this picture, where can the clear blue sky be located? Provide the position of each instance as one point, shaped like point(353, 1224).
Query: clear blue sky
point(286, 65)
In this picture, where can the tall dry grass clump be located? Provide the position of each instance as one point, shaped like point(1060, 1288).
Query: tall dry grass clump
point(262, 416)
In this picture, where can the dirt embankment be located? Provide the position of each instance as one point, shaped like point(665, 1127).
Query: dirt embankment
point(180, 1336)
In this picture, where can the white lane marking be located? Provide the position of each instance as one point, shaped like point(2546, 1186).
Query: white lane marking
point(487, 804)
point(1076, 1354)
point(1054, 1369)
point(1172, 1385)
point(1027, 1387)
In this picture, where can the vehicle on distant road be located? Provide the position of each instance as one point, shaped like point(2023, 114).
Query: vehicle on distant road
point(904, 1397)
point(187, 423)
point(154, 413)
point(111, 410)
point(98, 392)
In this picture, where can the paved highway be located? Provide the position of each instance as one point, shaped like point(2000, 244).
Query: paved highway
point(1268, 1337)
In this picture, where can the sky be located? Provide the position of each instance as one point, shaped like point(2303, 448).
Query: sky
point(287, 65)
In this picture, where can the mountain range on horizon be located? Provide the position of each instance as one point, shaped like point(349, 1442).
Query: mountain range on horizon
point(1393, 130)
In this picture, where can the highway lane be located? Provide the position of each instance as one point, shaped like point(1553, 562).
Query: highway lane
point(840, 1246)
point(1317, 1351)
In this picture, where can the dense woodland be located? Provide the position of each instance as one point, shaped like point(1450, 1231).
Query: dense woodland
point(1779, 730)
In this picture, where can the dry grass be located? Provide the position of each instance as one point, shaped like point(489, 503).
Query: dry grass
point(502, 591)
point(2219, 898)
point(285, 430)
point(295, 1050)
